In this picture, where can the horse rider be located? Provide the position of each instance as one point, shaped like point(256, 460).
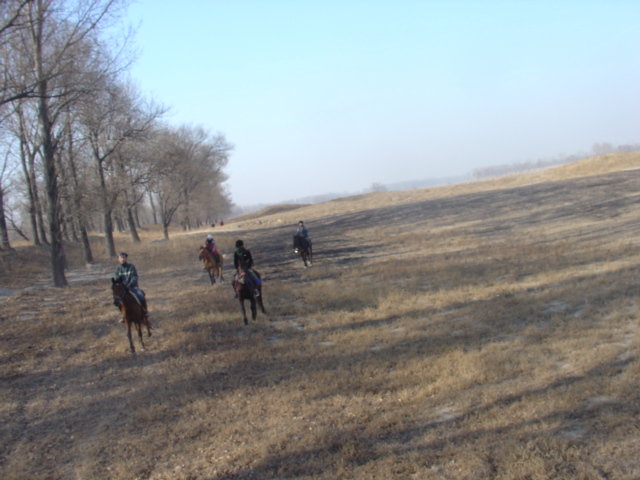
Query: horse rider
point(243, 261)
point(301, 233)
point(127, 272)
point(211, 247)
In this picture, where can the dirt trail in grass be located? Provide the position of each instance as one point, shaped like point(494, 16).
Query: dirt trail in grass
point(78, 276)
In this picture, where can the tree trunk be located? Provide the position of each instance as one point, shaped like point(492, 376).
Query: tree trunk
point(50, 174)
point(4, 235)
point(76, 202)
point(153, 209)
point(39, 213)
point(106, 215)
point(187, 213)
point(31, 199)
point(38, 204)
point(86, 245)
point(132, 226)
point(136, 215)
point(110, 244)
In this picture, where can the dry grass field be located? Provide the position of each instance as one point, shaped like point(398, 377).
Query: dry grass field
point(487, 330)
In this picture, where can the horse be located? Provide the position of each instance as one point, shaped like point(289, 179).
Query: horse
point(302, 246)
point(212, 264)
point(244, 291)
point(132, 311)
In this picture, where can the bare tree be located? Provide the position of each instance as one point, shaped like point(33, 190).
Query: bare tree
point(111, 118)
point(188, 160)
point(60, 53)
point(135, 161)
point(22, 124)
point(78, 176)
point(201, 157)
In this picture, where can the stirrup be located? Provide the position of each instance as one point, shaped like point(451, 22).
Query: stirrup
point(256, 293)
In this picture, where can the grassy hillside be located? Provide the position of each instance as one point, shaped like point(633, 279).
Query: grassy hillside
point(485, 330)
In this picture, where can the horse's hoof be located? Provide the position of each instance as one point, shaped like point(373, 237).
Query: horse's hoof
point(246, 322)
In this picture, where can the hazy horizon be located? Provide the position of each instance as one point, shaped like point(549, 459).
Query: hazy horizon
point(337, 96)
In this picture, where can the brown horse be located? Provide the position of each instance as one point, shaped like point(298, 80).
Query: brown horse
point(132, 311)
point(212, 264)
point(303, 247)
point(245, 291)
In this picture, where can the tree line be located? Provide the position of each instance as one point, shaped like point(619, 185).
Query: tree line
point(81, 148)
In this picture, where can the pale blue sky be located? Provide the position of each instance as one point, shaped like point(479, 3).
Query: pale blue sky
point(332, 96)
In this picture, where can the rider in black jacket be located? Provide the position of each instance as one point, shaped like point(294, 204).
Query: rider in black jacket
point(243, 261)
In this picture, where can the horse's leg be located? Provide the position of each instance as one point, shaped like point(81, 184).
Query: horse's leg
point(139, 330)
point(147, 324)
point(244, 311)
point(133, 350)
point(254, 310)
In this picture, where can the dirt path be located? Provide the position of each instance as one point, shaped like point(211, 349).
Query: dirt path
point(94, 271)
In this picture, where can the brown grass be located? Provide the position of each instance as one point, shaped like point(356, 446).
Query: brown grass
point(480, 331)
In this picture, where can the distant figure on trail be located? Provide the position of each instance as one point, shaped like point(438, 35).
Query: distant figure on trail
point(243, 262)
point(211, 247)
point(302, 235)
point(127, 272)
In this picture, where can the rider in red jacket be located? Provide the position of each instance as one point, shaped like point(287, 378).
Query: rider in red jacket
point(210, 246)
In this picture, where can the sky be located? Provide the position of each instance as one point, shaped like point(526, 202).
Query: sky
point(334, 96)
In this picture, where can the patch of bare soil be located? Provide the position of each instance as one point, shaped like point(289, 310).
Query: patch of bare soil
point(486, 334)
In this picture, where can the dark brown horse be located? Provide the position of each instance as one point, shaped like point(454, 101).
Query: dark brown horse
point(212, 264)
point(303, 247)
point(245, 291)
point(132, 311)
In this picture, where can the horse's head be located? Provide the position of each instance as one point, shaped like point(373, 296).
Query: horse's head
point(242, 277)
point(202, 253)
point(119, 290)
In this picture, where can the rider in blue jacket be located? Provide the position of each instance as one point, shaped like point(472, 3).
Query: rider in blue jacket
point(301, 233)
